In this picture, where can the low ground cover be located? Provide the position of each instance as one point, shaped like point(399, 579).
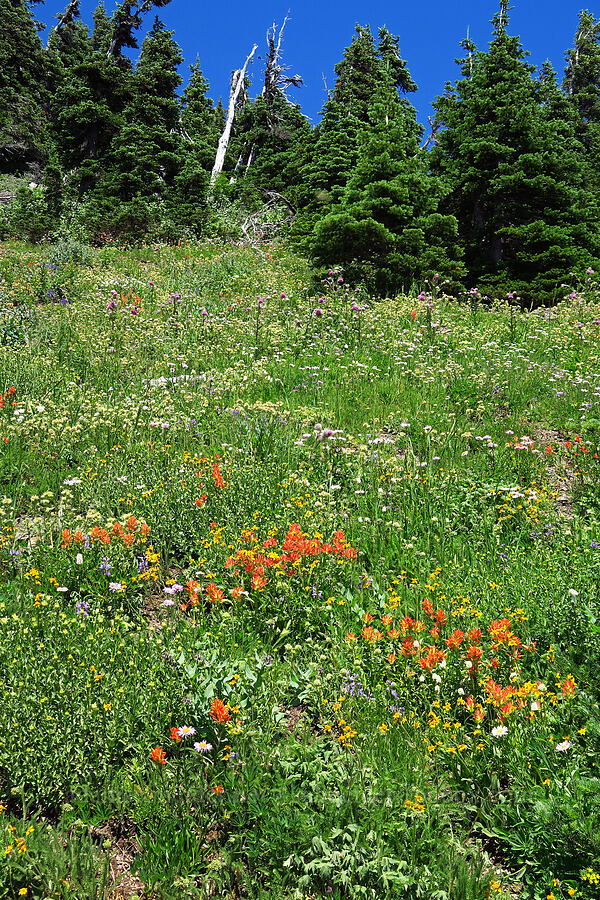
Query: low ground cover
point(299, 589)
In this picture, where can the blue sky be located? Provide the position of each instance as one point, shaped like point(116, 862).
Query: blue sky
point(222, 35)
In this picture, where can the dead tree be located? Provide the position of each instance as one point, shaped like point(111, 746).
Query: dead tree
point(70, 13)
point(276, 81)
point(238, 82)
point(432, 139)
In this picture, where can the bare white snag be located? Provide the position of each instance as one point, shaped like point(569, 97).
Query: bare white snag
point(237, 83)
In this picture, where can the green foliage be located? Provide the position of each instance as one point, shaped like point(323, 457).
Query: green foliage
point(23, 131)
point(386, 231)
point(202, 389)
point(582, 86)
point(515, 174)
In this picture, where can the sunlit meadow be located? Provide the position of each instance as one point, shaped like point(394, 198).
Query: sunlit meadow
point(300, 589)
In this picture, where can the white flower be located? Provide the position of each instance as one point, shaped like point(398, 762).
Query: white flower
point(499, 730)
point(563, 746)
point(534, 706)
point(541, 687)
point(79, 559)
point(461, 692)
point(469, 664)
point(421, 678)
point(573, 593)
point(185, 731)
point(202, 747)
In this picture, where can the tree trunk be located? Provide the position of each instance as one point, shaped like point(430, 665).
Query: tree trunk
point(237, 82)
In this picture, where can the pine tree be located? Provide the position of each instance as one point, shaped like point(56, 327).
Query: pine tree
point(386, 231)
point(24, 141)
point(269, 133)
point(147, 153)
point(89, 98)
point(514, 175)
point(201, 121)
point(582, 86)
point(331, 155)
point(201, 126)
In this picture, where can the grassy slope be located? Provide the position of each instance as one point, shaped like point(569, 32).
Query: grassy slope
point(418, 718)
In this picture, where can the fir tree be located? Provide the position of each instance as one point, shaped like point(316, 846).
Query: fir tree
point(147, 153)
point(514, 175)
point(386, 230)
point(269, 132)
point(23, 97)
point(200, 120)
point(89, 97)
point(201, 126)
point(102, 30)
point(582, 86)
point(332, 153)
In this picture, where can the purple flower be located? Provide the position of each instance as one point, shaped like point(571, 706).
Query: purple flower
point(115, 587)
point(82, 608)
point(105, 567)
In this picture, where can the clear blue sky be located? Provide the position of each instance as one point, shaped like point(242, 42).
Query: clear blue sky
point(222, 33)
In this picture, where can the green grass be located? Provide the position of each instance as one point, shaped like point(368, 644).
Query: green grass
point(370, 528)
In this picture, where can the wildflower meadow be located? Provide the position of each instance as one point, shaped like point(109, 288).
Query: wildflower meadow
point(300, 588)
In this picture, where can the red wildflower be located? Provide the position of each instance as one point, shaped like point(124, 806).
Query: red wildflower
point(455, 639)
point(214, 594)
point(218, 711)
point(159, 756)
point(175, 736)
point(568, 686)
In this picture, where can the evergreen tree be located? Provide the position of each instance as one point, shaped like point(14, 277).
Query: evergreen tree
point(269, 133)
point(201, 126)
point(23, 97)
point(89, 98)
point(147, 153)
point(201, 122)
point(515, 175)
point(386, 230)
point(582, 86)
point(102, 30)
point(331, 155)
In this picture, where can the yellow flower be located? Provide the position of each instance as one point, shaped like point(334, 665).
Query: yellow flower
point(23, 892)
point(383, 728)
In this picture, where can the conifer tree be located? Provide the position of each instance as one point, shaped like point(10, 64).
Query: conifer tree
point(331, 155)
point(147, 153)
point(89, 97)
point(582, 86)
point(23, 96)
point(514, 175)
point(386, 230)
point(201, 125)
